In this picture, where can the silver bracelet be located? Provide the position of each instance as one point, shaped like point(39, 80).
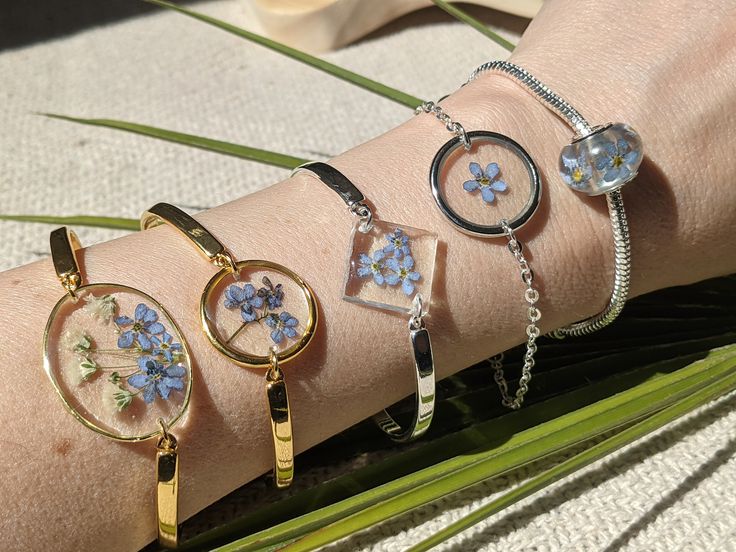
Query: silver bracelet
point(599, 160)
point(390, 267)
point(486, 183)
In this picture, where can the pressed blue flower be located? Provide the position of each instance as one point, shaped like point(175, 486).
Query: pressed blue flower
point(616, 159)
point(485, 181)
point(165, 346)
point(245, 298)
point(274, 295)
point(282, 325)
point(398, 244)
point(142, 328)
point(576, 171)
point(372, 266)
point(403, 274)
point(154, 377)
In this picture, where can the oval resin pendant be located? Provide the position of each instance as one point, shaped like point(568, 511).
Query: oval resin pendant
point(118, 361)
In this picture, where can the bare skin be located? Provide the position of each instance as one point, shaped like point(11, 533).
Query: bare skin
point(662, 67)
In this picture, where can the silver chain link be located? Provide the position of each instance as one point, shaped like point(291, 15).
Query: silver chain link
point(452, 126)
point(533, 314)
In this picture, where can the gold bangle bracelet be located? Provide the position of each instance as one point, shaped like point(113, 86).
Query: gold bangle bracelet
point(121, 367)
point(265, 335)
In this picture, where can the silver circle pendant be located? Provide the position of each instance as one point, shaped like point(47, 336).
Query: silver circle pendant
point(484, 181)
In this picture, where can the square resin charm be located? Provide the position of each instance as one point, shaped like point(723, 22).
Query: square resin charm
point(389, 265)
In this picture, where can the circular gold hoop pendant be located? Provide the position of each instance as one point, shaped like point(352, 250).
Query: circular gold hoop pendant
point(262, 306)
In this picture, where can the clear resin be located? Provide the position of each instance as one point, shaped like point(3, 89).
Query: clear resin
point(602, 161)
point(118, 361)
point(389, 265)
point(261, 307)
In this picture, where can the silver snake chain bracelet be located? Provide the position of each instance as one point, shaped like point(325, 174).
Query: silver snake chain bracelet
point(599, 160)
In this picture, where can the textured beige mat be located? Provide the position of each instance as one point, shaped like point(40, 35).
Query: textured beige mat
point(673, 492)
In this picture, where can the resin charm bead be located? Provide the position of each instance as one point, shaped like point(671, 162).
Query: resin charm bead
point(603, 161)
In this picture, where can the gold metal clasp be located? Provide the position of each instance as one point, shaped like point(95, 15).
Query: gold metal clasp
point(64, 246)
point(283, 442)
point(167, 488)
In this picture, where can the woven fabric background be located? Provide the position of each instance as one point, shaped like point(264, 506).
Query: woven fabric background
point(671, 492)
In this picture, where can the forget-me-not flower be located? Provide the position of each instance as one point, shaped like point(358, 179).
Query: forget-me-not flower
point(398, 244)
point(282, 325)
point(245, 298)
point(372, 266)
point(274, 295)
point(485, 181)
point(576, 171)
point(144, 326)
point(154, 378)
point(403, 273)
point(165, 346)
point(616, 159)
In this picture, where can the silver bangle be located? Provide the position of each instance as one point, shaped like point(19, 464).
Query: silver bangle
point(487, 182)
point(390, 267)
point(599, 160)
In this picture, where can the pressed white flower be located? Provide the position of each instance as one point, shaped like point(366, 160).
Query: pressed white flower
point(122, 398)
point(76, 340)
point(103, 307)
point(87, 367)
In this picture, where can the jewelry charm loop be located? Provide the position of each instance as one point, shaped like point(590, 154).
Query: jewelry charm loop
point(465, 225)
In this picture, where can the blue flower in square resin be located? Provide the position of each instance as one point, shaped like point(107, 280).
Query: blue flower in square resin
point(154, 377)
point(372, 266)
point(282, 325)
point(398, 244)
point(616, 159)
point(165, 346)
point(576, 171)
point(246, 299)
point(142, 328)
point(403, 274)
point(485, 181)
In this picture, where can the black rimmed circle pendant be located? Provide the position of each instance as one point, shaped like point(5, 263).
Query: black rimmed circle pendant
point(485, 179)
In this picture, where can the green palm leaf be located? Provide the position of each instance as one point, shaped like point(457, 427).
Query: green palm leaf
point(208, 144)
point(313, 61)
point(115, 223)
point(722, 385)
point(465, 17)
point(528, 446)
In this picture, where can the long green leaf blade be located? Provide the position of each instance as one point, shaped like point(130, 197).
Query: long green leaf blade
point(208, 144)
point(398, 465)
point(608, 446)
point(465, 17)
point(329, 68)
point(116, 223)
point(351, 515)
